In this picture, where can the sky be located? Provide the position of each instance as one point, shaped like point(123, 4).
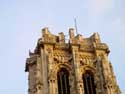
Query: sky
point(21, 22)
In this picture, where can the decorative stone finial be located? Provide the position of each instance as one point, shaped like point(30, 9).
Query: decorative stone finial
point(96, 37)
point(71, 32)
point(61, 37)
point(45, 30)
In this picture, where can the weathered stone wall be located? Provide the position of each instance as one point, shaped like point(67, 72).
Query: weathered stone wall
point(77, 56)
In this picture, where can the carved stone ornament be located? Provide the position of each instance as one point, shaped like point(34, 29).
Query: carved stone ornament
point(78, 65)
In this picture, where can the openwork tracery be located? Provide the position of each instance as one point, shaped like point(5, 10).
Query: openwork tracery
point(63, 81)
point(88, 81)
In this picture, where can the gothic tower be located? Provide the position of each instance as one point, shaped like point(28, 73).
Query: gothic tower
point(79, 66)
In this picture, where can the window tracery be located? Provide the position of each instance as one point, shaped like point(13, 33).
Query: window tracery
point(63, 81)
point(88, 81)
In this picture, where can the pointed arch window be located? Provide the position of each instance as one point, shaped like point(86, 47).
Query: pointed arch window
point(63, 81)
point(88, 81)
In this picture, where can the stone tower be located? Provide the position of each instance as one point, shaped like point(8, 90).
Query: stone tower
point(79, 66)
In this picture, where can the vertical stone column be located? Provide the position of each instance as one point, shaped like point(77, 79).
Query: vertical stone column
point(44, 57)
point(111, 84)
point(38, 76)
point(101, 68)
point(31, 68)
point(56, 86)
point(50, 86)
point(107, 74)
point(51, 75)
point(100, 79)
point(72, 81)
point(76, 67)
point(81, 88)
point(32, 88)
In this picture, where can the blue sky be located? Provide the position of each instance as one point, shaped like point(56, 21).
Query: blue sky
point(21, 22)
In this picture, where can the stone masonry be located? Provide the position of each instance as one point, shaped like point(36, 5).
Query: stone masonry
point(77, 55)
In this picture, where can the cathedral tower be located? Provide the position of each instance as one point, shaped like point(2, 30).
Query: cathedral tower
point(79, 66)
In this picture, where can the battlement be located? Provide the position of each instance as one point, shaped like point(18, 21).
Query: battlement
point(74, 65)
point(58, 41)
point(48, 37)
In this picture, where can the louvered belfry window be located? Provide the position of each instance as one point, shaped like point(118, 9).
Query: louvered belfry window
point(88, 81)
point(63, 81)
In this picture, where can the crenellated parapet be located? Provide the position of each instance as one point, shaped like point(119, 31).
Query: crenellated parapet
point(58, 41)
point(60, 66)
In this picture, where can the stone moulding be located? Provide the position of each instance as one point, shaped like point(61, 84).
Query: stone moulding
point(81, 57)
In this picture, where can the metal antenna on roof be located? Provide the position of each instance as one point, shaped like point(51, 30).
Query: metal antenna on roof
point(76, 26)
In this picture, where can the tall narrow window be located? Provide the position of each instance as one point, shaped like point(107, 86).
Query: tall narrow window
point(88, 81)
point(63, 82)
